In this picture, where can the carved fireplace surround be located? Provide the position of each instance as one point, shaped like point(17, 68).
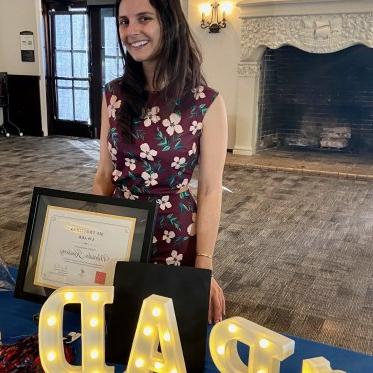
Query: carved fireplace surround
point(315, 26)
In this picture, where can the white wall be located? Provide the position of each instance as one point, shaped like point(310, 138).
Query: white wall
point(17, 16)
point(221, 53)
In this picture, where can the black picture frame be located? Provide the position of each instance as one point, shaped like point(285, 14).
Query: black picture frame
point(144, 212)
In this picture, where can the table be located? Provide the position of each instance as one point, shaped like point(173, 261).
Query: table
point(16, 322)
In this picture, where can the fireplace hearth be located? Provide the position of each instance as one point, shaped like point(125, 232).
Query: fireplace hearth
point(310, 109)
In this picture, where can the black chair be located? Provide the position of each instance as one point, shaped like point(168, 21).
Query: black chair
point(4, 104)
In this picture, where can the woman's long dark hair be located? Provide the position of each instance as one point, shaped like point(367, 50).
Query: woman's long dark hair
point(179, 64)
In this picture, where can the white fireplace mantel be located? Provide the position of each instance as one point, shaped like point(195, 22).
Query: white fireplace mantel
point(261, 8)
point(315, 26)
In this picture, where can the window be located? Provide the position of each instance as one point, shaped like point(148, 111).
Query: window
point(112, 62)
point(71, 62)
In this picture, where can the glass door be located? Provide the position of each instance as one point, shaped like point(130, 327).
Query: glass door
point(83, 55)
point(71, 72)
point(111, 58)
point(106, 59)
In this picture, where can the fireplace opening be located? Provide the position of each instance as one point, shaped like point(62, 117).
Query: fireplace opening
point(317, 101)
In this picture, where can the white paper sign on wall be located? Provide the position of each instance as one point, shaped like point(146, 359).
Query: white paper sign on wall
point(27, 46)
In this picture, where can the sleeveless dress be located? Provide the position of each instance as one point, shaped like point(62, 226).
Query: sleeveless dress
point(158, 165)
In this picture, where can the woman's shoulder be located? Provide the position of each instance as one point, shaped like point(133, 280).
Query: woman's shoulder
point(113, 87)
point(204, 92)
point(113, 92)
point(201, 95)
point(198, 100)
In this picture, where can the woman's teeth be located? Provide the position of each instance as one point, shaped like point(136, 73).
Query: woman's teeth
point(139, 44)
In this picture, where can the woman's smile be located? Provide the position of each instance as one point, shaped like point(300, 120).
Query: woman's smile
point(139, 44)
point(139, 29)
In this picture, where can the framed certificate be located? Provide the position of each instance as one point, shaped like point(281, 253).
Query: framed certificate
point(77, 239)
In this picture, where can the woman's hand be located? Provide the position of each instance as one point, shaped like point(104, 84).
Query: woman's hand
point(217, 303)
point(217, 300)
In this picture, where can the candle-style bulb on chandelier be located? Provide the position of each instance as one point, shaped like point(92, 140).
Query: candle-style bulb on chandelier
point(214, 24)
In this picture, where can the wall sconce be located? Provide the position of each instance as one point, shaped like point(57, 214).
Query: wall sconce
point(211, 11)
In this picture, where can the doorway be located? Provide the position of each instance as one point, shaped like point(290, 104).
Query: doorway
point(83, 56)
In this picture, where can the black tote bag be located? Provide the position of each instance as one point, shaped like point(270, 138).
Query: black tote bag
point(189, 289)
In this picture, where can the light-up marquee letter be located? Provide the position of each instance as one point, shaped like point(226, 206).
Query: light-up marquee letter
point(267, 348)
point(156, 325)
point(318, 365)
point(92, 300)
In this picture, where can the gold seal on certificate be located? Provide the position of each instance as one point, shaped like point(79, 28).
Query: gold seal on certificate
point(81, 247)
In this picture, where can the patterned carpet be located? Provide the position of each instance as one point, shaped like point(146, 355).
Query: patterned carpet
point(294, 252)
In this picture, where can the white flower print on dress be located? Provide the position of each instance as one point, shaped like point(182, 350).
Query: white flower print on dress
point(113, 151)
point(168, 236)
point(172, 124)
point(150, 179)
point(151, 116)
point(193, 150)
point(174, 259)
point(116, 174)
point(128, 195)
point(195, 127)
point(146, 152)
point(183, 186)
point(131, 163)
point(113, 106)
point(192, 227)
point(164, 202)
point(198, 92)
point(155, 240)
point(178, 162)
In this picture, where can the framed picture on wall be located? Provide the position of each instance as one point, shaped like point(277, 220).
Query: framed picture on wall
point(77, 239)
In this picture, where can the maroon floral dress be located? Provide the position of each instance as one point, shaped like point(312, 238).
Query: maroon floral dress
point(159, 165)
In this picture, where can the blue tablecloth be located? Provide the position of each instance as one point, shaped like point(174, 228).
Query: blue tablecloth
point(16, 321)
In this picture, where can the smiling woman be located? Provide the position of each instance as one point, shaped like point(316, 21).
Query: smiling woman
point(158, 121)
point(140, 32)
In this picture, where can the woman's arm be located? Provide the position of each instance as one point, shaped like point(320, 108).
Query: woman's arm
point(213, 150)
point(102, 184)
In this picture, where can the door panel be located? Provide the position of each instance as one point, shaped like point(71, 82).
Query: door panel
point(107, 61)
point(111, 59)
point(83, 55)
point(71, 73)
